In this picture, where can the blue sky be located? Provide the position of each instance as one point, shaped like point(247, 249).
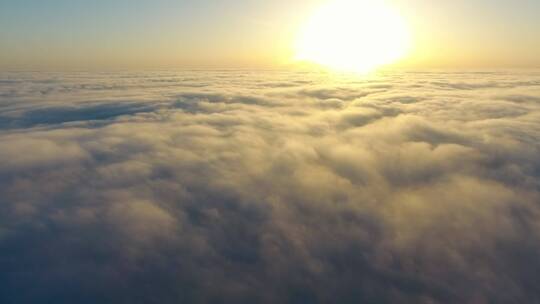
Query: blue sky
point(162, 33)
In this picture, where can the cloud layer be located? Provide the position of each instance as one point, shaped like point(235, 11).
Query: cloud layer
point(270, 187)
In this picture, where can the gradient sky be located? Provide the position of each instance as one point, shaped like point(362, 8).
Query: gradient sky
point(85, 34)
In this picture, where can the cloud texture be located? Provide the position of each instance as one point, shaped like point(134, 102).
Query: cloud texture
point(270, 187)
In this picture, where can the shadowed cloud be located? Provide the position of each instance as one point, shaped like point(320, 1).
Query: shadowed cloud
point(388, 189)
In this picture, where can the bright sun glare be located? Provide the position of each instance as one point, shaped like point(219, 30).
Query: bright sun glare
point(353, 35)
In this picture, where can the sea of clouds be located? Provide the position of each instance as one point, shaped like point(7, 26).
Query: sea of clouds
point(270, 187)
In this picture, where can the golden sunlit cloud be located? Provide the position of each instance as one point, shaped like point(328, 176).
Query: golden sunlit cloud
point(353, 36)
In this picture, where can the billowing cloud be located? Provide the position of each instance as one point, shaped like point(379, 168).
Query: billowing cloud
point(270, 187)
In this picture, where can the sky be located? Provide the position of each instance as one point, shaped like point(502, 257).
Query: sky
point(82, 34)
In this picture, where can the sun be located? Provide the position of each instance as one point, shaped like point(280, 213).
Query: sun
point(353, 35)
